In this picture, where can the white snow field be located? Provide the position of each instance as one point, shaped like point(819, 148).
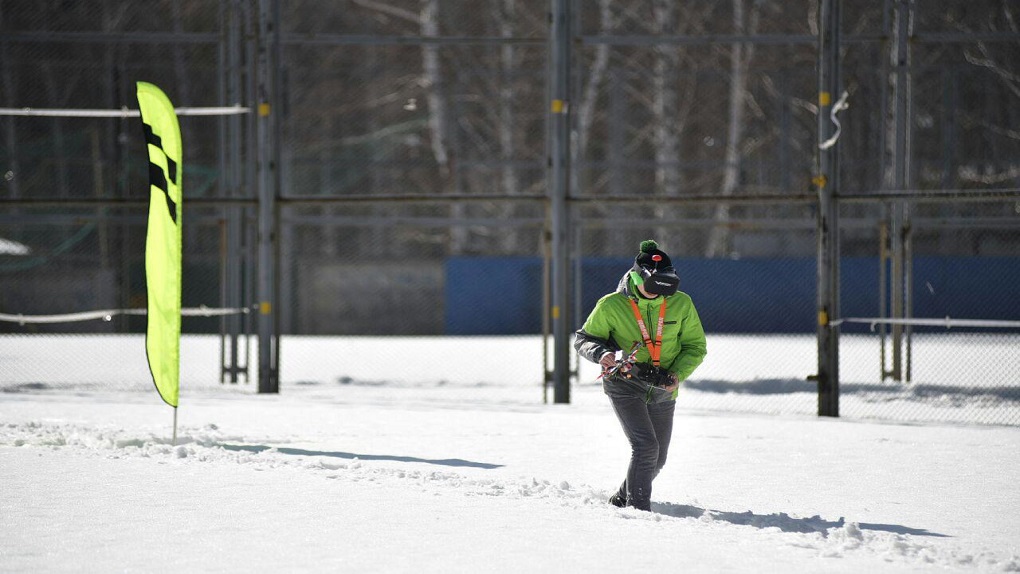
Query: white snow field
point(450, 462)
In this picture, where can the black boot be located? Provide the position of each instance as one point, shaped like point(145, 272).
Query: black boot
point(617, 500)
point(640, 499)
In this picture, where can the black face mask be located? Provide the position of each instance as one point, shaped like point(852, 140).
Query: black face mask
point(663, 281)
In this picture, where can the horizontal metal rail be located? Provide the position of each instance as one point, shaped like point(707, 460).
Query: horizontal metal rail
point(315, 38)
point(121, 113)
point(948, 322)
point(746, 223)
point(790, 39)
point(930, 196)
point(108, 314)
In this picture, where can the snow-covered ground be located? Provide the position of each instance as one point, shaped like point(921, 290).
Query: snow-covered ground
point(356, 467)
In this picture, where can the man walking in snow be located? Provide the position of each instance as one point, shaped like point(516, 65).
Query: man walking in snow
point(660, 328)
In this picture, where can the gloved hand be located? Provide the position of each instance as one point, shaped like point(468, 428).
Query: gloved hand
point(608, 361)
point(674, 382)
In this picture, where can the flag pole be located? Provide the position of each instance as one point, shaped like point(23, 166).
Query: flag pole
point(174, 443)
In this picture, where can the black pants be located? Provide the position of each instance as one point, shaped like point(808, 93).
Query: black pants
point(648, 427)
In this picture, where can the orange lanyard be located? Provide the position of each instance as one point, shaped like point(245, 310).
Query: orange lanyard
point(654, 347)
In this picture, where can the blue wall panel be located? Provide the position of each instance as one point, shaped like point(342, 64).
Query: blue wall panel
point(503, 295)
point(493, 295)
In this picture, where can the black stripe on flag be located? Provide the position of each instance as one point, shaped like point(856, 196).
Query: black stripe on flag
point(172, 168)
point(156, 175)
point(158, 178)
point(151, 137)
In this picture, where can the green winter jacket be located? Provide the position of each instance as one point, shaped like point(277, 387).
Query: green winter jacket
point(611, 326)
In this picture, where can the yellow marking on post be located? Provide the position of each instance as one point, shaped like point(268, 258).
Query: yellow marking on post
point(824, 98)
point(556, 312)
point(823, 318)
point(557, 106)
point(819, 181)
point(264, 109)
point(265, 307)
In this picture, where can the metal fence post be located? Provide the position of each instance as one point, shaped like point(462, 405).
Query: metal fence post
point(900, 171)
point(827, 182)
point(268, 177)
point(558, 145)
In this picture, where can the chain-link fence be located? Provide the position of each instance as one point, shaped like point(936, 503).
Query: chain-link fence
point(955, 356)
point(412, 209)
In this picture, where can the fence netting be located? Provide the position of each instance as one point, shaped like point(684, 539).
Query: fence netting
point(412, 214)
point(953, 355)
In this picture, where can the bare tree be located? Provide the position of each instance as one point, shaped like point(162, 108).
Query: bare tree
point(667, 137)
point(427, 21)
point(669, 110)
point(997, 64)
point(432, 80)
point(508, 63)
point(740, 57)
point(596, 75)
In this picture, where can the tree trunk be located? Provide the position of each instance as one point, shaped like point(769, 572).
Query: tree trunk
point(719, 238)
point(437, 119)
point(586, 107)
point(665, 111)
point(507, 126)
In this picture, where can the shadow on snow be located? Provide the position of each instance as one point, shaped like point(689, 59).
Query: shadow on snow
point(456, 462)
point(782, 521)
point(899, 390)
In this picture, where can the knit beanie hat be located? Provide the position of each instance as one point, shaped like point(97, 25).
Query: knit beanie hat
point(654, 270)
point(651, 257)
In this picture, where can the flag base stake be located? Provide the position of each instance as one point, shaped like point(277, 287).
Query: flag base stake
point(175, 428)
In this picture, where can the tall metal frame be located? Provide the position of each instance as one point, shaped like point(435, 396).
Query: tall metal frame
point(263, 139)
point(827, 183)
point(232, 255)
point(268, 135)
point(899, 211)
point(558, 149)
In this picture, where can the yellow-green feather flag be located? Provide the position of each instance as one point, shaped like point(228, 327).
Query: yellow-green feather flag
point(163, 242)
